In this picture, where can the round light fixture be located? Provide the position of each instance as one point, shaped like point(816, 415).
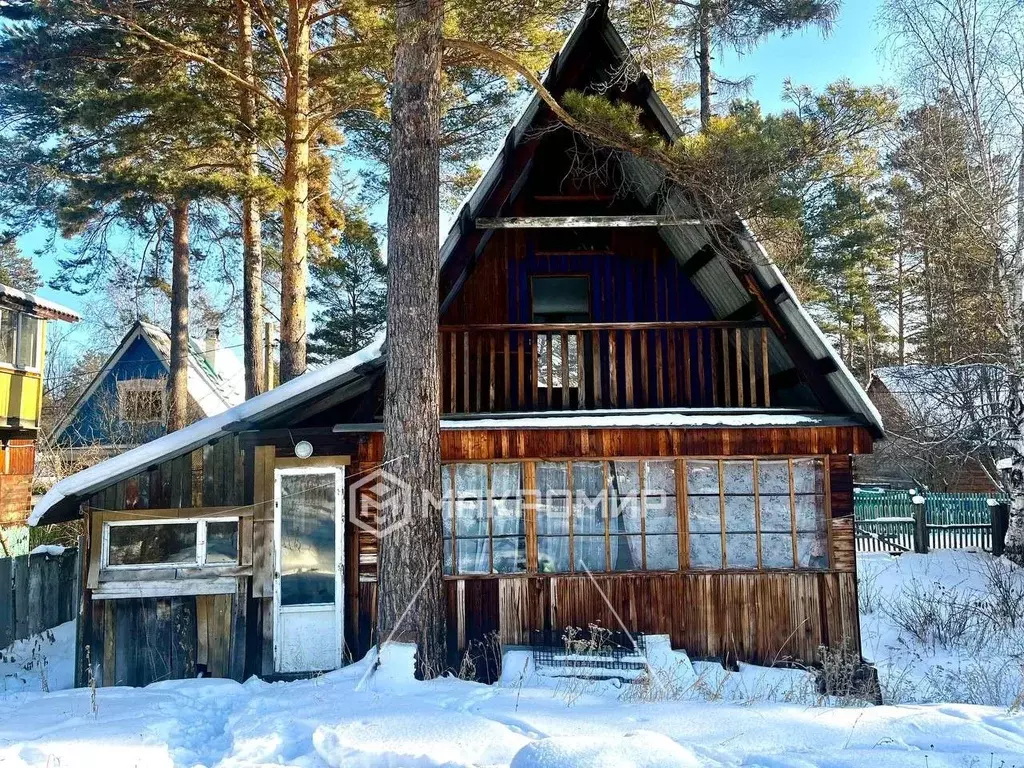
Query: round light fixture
point(303, 449)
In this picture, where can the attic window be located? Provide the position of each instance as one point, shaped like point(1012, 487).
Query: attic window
point(140, 401)
point(561, 299)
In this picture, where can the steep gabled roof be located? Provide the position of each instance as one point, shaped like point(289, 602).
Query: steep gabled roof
point(712, 273)
point(212, 391)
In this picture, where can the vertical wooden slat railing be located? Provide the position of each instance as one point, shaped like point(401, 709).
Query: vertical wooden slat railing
point(601, 366)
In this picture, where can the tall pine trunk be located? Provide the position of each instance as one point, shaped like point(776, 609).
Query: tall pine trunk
point(411, 603)
point(177, 380)
point(295, 210)
point(252, 225)
point(704, 60)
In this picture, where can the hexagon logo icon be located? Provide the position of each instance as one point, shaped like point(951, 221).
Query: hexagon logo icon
point(379, 491)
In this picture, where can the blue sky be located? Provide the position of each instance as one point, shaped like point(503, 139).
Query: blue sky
point(804, 57)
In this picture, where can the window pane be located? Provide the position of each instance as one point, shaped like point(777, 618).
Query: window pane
point(307, 539)
point(661, 514)
point(810, 513)
point(507, 517)
point(705, 550)
point(705, 514)
point(446, 518)
point(28, 341)
point(588, 479)
point(776, 550)
point(626, 553)
point(8, 334)
point(560, 299)
point(741, 550)
point(773, 477)
point(739, 514)
point(506, 480)
point(448, 556)
point(775, 514)
point(446, 481)
point(552, 517)
point(626, 516)
point(808, 476)
point(623, 478)
point(662, 552)
point(474, 555)
point(173, 543)
point(812, 550)
point(588, 551)
point(552, 554)
point(702, 477)
point(552, 479)
point(222, 542)
point(660, 478)
point(510, 554)
point(471, 480)
point(588, 516)
point(470, 517)
point(739, 477)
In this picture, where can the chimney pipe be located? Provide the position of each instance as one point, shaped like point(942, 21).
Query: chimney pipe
point(212, 345)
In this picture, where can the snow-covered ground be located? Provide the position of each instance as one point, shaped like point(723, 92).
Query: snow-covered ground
point(684, 715)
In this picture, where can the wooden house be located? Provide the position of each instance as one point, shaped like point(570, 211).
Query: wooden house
point(686, 409)
point(125, 404)
point(23, 319)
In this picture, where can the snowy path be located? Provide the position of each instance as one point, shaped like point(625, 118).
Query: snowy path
point(398, 722)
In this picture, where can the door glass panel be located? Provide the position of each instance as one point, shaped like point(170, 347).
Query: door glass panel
point(307, 539)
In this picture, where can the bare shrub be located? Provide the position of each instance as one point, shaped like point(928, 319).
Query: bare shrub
point(844, 676)
point(977, 682)
point(869, 591)
point(939, 616)
point(482, 659)
point(1005, 585)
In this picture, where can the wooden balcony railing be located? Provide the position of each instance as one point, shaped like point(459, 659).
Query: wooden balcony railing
point(600, 366)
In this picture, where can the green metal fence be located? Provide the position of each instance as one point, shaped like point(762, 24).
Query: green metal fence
point(885, 521)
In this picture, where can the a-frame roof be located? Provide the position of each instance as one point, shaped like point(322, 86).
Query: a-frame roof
point(714, 276)
point(212, 391)
point(757, 290)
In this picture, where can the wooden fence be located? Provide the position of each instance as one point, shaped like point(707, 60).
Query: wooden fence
point(37, 592)
point(890, 521)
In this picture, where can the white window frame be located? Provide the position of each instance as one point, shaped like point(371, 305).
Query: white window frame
point(141, 385)
point(200, 561)
point(37, 352)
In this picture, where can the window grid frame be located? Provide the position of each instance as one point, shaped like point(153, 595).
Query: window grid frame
point(529, 502)
point(199, 523)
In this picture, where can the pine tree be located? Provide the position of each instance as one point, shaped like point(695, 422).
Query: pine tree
point(350, 286)
point(17, 270)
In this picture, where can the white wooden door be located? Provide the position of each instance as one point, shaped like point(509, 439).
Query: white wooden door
point(308, 568)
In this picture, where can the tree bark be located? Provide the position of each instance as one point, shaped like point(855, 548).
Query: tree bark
point(295, 209)
point(411, 601)
point(177, 380)
point(704, 60)
point(252, 235)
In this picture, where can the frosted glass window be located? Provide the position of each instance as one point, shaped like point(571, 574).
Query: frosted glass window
point(483, 518)
point(8, 335)
point(28, 342)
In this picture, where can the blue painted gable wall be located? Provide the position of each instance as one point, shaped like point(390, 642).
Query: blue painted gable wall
point(88, 427)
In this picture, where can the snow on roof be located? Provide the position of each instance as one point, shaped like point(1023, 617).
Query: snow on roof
point(633, 419)
point(213, 390)
point(288, 395)
point(43, 307)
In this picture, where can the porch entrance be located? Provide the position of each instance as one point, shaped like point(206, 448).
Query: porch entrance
point(309, 560)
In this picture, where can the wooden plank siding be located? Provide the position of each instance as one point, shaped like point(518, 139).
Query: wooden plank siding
point(758, 616)
point(762, 618)
point(139, 640)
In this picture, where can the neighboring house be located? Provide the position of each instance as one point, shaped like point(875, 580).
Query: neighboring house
point(686, 409)
point(947, 427)
point(23, 320)
point(125, 404)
